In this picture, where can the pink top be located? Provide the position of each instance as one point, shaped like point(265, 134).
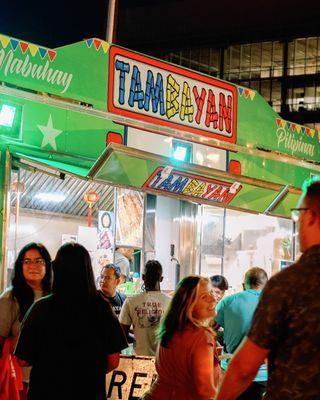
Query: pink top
point(177, 373)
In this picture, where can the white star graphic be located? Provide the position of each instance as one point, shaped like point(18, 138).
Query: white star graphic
point(49, 134)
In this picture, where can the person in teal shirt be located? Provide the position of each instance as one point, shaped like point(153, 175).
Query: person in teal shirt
point(234, 315)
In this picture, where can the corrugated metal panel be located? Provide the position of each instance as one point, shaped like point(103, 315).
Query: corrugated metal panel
point(72, 188)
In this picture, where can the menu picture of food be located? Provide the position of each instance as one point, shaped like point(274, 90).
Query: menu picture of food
point(105, 239)
point(129, 218)
point(105, 229)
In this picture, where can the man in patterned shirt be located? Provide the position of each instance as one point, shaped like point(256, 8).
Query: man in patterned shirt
point(286, 324)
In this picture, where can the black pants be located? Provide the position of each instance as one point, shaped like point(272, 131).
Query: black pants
point(254, 392)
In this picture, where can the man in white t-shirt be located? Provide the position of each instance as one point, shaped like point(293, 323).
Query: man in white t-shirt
point(143, 311)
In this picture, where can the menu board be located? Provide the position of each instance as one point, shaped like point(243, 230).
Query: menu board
point(129, 226)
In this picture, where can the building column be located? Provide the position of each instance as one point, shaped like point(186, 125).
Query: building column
point(284, 80)
point(221, 66)
point(5, 167)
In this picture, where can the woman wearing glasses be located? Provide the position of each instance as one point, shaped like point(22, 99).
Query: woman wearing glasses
point(31, 280)
point(70, 338)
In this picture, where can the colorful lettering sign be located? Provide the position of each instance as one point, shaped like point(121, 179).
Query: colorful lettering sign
point(150, 90)
point(76, 71)
point(182, 183)
point(15, 61)
point(296, 140)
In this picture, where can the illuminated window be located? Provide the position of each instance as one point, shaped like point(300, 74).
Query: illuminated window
point(10, 119)
point(7, 115)
point(182, 151)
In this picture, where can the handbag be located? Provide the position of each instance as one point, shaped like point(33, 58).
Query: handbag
point(10, 373)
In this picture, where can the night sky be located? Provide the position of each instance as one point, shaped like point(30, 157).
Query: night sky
point(152, 25)
point(53, 23)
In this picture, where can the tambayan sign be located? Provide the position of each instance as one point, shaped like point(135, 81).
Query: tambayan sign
point(177, 182)
point(143, 88)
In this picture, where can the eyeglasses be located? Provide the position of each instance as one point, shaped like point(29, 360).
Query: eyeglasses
point(37, 261)
point(295, 213)
point(107, 278)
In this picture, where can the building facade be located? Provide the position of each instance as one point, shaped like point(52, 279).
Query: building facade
point(286, 73)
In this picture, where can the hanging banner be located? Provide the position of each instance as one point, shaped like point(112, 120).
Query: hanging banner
point(150, 90)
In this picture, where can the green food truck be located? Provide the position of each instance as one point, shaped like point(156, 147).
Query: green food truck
point(112, 148)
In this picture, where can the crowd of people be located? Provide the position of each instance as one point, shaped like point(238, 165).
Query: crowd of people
point(62, 335)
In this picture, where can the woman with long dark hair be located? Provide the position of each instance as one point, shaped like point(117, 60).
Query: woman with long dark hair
point(186, 363)
point(31, 280)
point(71, 338)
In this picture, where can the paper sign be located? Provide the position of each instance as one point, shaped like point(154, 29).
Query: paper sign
point(131, 379)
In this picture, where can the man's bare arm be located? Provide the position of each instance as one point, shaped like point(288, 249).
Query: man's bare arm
point(242, 370)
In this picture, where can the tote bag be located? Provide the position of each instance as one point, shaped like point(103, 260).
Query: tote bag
point(10, 374)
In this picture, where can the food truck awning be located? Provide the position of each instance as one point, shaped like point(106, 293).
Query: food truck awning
point(125, 166)
point(52, 165)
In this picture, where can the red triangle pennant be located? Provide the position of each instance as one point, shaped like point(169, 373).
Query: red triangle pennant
point(278, 121)
point(97, 43)
point(308, 131)
point(23, 46)
point(246, 93)
point(52, 54)
point(293, 127)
